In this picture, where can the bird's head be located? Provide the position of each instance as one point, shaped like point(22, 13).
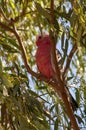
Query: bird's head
point(42, 39)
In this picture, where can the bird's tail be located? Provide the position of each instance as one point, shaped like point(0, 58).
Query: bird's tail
point(74, 104)
point(72, 101)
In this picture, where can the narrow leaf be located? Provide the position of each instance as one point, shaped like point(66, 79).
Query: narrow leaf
point(42, 11)
point(6, 81)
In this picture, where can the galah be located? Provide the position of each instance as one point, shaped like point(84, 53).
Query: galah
point(44, 61)
point(43, 56)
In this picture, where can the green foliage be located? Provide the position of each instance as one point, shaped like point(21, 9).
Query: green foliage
point(25, 102)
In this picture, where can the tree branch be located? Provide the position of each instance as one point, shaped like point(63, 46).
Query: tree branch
point(3, 14)
point(69, 61)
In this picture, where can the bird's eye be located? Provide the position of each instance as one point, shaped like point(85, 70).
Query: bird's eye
point(39, 37)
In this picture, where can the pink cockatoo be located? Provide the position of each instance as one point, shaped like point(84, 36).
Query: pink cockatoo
point(43, 56)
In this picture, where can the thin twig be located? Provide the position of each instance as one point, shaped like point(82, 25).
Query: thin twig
point(72, 52)
point(3, 14)
point(16, 19)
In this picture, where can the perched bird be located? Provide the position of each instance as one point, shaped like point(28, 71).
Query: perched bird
point(43, 56)
point(44, 61)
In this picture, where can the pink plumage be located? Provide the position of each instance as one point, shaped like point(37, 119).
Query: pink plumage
point(43, 56)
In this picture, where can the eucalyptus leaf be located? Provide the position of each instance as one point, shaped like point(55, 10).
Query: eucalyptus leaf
point(6, 81)
point(1, 67)
point(42, 11)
